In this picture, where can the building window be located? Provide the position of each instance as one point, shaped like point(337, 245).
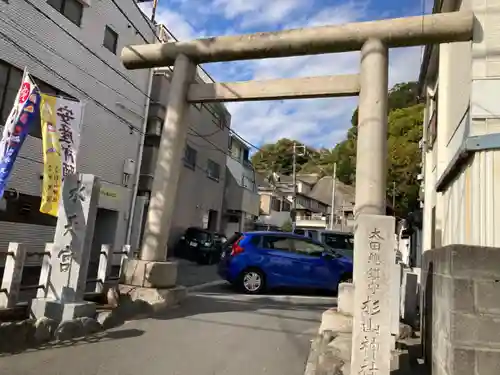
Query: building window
point(286, 206)
point(275, 204)
point(190, 157)
point(110, 39)
point(71, 9)
point(213, 170)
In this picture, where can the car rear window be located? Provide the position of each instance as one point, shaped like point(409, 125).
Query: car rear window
point(198, 235)
point(338, 241)
point(276, 243)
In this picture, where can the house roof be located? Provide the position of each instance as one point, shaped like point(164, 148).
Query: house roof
point(322, 191)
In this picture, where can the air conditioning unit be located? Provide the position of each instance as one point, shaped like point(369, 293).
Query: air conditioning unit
point(129, 166)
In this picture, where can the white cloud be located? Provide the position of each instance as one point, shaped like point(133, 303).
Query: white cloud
point(256, 12)
point(318, 122)
point(174, 21)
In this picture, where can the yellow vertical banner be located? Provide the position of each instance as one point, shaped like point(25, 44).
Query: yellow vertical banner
point(52, 162)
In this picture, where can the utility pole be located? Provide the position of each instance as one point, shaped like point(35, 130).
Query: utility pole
point(334, 185)
point(153, 14)
point(294, 182)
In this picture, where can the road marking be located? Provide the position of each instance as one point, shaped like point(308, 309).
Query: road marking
point(206, 285)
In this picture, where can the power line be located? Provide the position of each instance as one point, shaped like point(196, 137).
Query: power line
point(109, 65)
point(131, 23)
point(98, 103)
point(22, 49)
point(84, 46)
point(109, 182)
point(55, 52)
point(159, 40)
point(207, 135)
point(41, 162)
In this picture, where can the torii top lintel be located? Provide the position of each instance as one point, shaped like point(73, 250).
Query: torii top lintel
point(398, 32)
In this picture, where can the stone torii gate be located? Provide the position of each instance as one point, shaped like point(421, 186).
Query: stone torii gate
point(374, 236)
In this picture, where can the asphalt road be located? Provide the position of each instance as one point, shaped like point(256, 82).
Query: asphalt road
point(214, 332)
point(191, 273)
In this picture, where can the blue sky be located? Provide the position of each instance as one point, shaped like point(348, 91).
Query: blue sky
point(316, 122)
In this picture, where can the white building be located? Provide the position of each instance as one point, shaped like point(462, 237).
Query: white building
point(72, 48)
point(460, 83)
point(241, 199)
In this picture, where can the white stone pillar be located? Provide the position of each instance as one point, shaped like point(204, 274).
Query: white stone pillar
point(170, 154)
point(371, 158)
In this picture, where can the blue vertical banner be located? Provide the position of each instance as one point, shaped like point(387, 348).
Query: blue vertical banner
point(21, 118)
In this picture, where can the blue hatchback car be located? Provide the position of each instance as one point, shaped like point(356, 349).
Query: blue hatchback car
point(254, 261)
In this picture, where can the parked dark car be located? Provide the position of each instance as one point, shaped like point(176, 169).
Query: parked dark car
point(254, 261)
point(341, 242)
point(200, 245)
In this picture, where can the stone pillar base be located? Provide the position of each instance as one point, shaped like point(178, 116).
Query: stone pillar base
point(149, 274)
point(61, 311)
point(146, 285)
point(335, 321)
point(144, 300)
point(345, 300)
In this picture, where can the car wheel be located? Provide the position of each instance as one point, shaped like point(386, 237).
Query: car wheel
point(252, 281)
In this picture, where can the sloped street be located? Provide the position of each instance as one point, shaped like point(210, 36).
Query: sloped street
point(214, 332)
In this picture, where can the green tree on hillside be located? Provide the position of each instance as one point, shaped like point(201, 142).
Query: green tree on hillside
point(404, 133)
point(277, 157)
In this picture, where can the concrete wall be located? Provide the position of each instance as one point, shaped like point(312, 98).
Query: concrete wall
point(465, 211)
point(275, 218)
point(461, 310)
point(303, 188)
point(265, 203)
point(78, 73)
point(241, 190)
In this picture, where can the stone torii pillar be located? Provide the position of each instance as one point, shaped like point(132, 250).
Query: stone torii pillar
point(151, 277)
point(374, 235)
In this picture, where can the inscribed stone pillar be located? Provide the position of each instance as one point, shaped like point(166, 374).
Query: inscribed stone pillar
point(72, 245)
point(374, 267)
